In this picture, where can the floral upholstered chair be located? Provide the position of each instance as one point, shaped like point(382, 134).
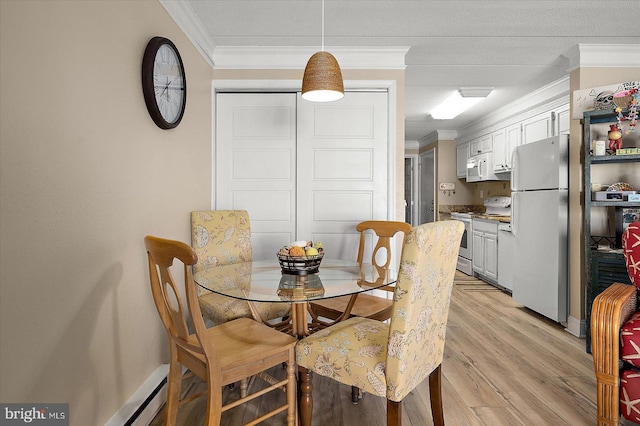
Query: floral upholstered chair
point(390, 360)
point(615, 331)
point(223, 237)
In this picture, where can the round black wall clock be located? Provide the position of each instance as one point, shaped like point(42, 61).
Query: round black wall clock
point(163, 83)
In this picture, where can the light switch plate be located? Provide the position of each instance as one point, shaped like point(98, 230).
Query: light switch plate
point(444, 186)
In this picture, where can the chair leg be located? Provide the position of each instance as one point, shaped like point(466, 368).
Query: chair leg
point(214, 400)
point(174, 384)
point(356, 394)
point(291, 388)
point(394, 413)
point(435, 395)
point(244, 385)
point(306, 401)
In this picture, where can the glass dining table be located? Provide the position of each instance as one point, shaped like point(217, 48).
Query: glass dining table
point(264, 281)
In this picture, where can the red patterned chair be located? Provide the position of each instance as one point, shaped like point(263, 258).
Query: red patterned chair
point(615, 330)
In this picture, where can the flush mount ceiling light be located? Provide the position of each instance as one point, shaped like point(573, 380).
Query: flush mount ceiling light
point(322, 81)
point(460, 101)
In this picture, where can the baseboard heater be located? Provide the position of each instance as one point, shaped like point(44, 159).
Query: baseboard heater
point(145, 403)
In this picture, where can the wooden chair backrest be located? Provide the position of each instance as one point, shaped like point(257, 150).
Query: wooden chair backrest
point(168, 297)
point(384, 231)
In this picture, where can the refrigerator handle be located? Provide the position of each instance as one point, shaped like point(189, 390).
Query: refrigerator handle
point(513, 167)
point(514, 213)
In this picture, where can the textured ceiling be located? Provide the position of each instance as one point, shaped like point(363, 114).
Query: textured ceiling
point(515, 46)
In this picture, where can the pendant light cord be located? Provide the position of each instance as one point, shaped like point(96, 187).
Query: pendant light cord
point(322, 25)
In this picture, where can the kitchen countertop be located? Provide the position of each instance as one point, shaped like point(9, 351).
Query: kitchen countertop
point(503, 219)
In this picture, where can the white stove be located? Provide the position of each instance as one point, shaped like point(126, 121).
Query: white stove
point(465, 254)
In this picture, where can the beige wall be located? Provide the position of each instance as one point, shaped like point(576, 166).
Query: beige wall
point(85, 175)
point(583, 78)
point(353, 75)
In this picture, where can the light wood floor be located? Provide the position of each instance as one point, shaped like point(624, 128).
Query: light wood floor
point(504, 365)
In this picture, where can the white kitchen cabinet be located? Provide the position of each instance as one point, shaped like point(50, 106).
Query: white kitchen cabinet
point(514, 139)
point(485, 248)
point(462, 155)
point(505, 142)
point(546, 124)
point(562, 120)
point(536, 128)
point(480, 145)
point(500, 163)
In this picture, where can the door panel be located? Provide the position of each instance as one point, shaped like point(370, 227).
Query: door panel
point(255, 165)
point(342, 169)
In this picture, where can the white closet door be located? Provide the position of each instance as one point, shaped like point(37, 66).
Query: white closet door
point(342, 169)
point(255, 165)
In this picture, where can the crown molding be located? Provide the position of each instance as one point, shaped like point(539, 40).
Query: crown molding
point(603, 55)
point(551, 95)
point(278, 57)
point(186, 18)
point(286, 57)
point(438, 135)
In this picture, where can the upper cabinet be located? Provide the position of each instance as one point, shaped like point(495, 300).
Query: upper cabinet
point(562, 120)
point(536, 128)
point(545, 125)
point(462, 154)
point(505, 142)
point(499, 139)
point(480, 145)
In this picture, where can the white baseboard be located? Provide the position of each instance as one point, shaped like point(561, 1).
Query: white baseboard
point(576, 327)
point(145, 403)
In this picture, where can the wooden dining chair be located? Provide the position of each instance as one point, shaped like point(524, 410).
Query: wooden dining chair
point(390, 360)
point(223, 237)
point(366, 305)
point(219, 355)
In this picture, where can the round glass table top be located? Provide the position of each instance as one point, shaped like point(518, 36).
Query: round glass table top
point(264, 281)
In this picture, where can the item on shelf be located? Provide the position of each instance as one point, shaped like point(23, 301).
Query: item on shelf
point(628, 151)
point(620, 186)
point(612, 195)
point(635, 198)
point(599, 148)
point(631, 99)
point(623, 99)
point(615, 137)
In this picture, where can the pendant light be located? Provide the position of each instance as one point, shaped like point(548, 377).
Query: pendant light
point(322, 81)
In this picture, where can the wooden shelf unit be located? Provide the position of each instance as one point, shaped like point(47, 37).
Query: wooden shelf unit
point(602, 267)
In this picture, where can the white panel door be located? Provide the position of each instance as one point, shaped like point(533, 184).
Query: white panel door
point(342, 169)
point(255, 165)
point(427, 186)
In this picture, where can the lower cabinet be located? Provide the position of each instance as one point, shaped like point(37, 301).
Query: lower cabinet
point(485, 248)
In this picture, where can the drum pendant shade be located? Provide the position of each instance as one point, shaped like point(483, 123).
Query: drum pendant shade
point(322, 81)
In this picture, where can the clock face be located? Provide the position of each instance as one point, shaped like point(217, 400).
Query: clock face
point(163, 83)
point(168, 83)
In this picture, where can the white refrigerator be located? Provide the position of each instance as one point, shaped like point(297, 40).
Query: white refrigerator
point(539, 223)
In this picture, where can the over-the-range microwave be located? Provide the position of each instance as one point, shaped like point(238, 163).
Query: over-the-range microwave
point(480, 168)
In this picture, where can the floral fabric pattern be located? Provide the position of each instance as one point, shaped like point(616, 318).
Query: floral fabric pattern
point(391, 360)
point(223, 237)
